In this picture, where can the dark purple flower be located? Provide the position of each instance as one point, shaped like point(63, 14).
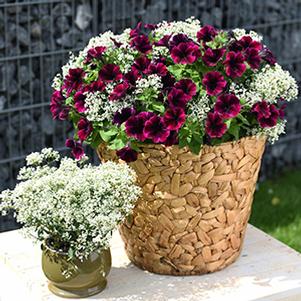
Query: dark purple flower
point(110, 72)
point(73, 80)
point(57, 106)
point(179, 38)
point(206, 33)
point(215, 126)
point(227, 106)
point(127, 154)
point(266, 115)
point(177, 98)
point(141, 64)
point(187, 86)
point(120, 117)
point(119, 91)
point(172, 139)
point(156, 129)
point(268, 56)
point(234, 62)
point(134, 126)
point(95, 53)
point(84, 129)
point(131, 77)
point(261, 109)
point(141, 43)
point(212, 56)
point(247, 42)
point(168, 81)
point(76, 147)
point(96, 86)
point(157, 68)
point(164, 42)
point(253, 58)
point(282, 111)
point(267, 122)
point(136, 31)
point(214, 83)
point(79, 102)
point(150, 26)
point(174, 118)
point(185, 53)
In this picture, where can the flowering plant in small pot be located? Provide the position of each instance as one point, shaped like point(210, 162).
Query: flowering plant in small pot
point(189, 107)
point(72, 208)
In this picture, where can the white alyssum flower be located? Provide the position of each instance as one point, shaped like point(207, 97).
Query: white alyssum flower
point(272, 133)
point(190, 27)
point(57, 82)
point(151, 81)
point(199, 107)
point(272, 83)
point(78, 205)
point(239, 33)
point(99, 108)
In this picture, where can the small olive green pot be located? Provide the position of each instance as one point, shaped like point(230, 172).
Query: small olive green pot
point(75, 278)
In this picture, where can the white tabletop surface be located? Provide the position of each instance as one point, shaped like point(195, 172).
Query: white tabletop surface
point(267, 270)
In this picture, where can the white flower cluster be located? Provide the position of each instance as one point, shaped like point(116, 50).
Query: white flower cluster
point(239, 33)
point(99, 108)
point(152, 81)
point(199, 107)
point(190, 27)
point(272, 133)
point(77, 205)
point(272, 83)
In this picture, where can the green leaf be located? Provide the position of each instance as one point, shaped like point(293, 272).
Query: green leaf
point(243, 119)
point(109, 134)
point(234, 131)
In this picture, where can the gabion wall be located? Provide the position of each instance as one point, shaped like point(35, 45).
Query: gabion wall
point(37, 35)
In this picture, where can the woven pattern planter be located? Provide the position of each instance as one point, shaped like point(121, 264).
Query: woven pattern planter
point(194, 210)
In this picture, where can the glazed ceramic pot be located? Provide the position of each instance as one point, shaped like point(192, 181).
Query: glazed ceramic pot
point(75, 278)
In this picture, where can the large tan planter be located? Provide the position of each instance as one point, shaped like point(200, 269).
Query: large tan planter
point(194, 210)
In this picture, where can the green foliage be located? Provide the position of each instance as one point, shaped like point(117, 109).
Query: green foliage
point(115, 137)
point(219, 40)
point(148, 101)
point(191, 135)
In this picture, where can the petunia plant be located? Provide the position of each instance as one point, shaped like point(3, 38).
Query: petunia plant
point(172, 83)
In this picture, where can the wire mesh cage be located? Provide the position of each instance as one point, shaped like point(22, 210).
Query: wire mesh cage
point(36, 37)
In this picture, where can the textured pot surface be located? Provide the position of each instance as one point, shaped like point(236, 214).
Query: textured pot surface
point(75, 278)
point(194, 210)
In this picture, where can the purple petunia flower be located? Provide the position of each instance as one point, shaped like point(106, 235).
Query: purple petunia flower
point(164, 42)
point(214, 83)
point(120, 117)
point(215, 126)
point(268, 56)
point(246, 42)
point(95, 86)
point(266, 115)
point(136, 31)
point(95, 53)
point(235, 66)
point(57, 106)
point(179, 38)
point(73, 80)
point(168, 81)
point(110, 72)
point(177, 98)
point(127, 154)
point(157, 68)
point(119, 91)
point(79, 102)
point(227, 106)
point(206, 33)
point(84, 129)
point(76, 147)
point(131, 77)
point(253, 58)
point(174, 118)
point(261, 109)
point(141, 64)
point(134, 126)
point(212, 56)
point(172, 139)
point(156, 129)
point(141, 43)
point(185, 53)
point(187, 86)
